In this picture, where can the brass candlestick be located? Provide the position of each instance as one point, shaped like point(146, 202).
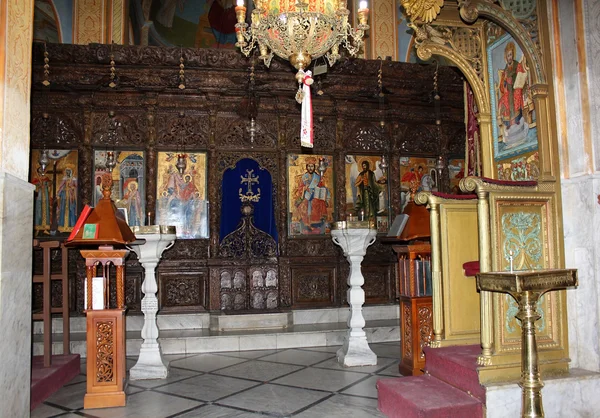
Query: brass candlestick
point(527, 287)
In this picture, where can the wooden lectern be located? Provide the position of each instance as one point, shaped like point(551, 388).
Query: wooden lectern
point(413, 250)
point(103, 229)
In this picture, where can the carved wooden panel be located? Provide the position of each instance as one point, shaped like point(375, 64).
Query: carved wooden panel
point(360, 136)
point(233, 288)
point(182, 290)
point(323, 247)
point(150, 114)
point(416, 330)
point(263, 283)
point(378, 285)
point(128, 128)
point(313, 286)
point(182, 129)
point(63, 129)
point(253, 287)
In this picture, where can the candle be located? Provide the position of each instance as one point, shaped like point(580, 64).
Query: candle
point(149, 218)
point(240, 3)
point(362, 5)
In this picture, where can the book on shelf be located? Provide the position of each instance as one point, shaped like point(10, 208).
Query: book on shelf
point(428, 282)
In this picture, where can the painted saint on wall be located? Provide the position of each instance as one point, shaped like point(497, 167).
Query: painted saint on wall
point(514, 129)
point(128, 190)
point(55, 198)
point(181, 197)
point(310, 198)
point(367, 190)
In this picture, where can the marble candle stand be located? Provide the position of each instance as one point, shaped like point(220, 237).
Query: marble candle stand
point(354, 238)
point(158, 239)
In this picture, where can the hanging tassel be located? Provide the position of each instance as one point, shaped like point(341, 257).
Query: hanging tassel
point(306, 126)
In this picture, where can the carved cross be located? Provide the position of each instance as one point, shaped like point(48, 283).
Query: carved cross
point(249, 180)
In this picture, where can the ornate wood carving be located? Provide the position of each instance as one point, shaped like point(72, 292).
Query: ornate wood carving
point(104, 352)
point(379, 280)
point(365, 136)
point(123, 129)
point(313, 287)
point(311, 271)
point(180, 129)
point(182, 289)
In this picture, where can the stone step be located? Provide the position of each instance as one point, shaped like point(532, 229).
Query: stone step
point(191, 341)
point(425, 397)
point(205, 333)
point(220, 321)
point(457, 366)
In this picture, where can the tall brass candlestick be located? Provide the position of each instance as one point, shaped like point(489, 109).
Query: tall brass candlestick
point(527, 287)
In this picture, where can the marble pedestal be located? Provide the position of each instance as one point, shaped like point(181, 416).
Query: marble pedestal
point(354, 238)
point(158, 239)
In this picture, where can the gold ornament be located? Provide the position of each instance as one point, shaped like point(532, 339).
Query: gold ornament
point(422, 10)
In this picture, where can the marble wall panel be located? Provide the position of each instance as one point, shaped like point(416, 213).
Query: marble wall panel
point(16, 218)
point(581, 211)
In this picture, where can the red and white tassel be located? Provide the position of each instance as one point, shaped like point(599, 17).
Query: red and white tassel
point(306, 126)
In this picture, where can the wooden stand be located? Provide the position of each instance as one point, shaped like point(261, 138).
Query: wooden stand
point(416, 307)
point(106, 371)
point(46, 279)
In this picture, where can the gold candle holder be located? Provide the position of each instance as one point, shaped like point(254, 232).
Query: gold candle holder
point(527, 287)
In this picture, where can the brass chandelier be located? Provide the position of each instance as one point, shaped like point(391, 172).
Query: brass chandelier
point(300, 32)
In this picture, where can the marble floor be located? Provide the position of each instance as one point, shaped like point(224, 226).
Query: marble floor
point(296, 382)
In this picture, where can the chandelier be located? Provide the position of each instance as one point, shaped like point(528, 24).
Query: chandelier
point(300, 32)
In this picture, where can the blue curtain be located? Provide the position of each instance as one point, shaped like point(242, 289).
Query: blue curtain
point(234, 184)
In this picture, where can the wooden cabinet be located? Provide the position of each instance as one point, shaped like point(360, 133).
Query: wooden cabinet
point(416, 308)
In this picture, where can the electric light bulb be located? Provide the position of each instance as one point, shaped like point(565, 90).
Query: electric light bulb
point(362, 5)
point(240, 3)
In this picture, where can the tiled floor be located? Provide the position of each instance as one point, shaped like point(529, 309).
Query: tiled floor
point(297, 382)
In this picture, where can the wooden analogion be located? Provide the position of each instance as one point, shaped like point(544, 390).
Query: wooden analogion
point(106, 362)
point(104, 232)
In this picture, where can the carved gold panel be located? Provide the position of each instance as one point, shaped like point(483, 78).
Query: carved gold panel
point(522, 227)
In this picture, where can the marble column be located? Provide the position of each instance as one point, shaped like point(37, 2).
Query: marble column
point(16, 207)
point(16, 214)
point(354, 240)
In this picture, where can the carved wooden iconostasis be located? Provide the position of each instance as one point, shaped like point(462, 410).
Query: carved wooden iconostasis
point(147, 121)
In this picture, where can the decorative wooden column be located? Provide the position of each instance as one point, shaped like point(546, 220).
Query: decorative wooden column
point(106, 370)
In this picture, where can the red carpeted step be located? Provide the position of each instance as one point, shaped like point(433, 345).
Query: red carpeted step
point(456, 365)
point(425, 397)
point(47, 380)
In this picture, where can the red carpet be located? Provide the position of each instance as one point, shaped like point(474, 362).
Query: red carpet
point(456, 366)
point(451, 388)
point(47, 380)
point(425, 396)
